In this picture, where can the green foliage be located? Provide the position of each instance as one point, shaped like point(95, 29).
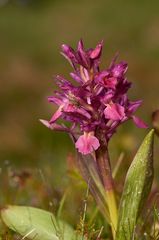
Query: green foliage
point(137, 187)
point(88, 168)
point(37, 224)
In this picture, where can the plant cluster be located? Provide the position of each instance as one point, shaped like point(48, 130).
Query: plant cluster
point(92, 109)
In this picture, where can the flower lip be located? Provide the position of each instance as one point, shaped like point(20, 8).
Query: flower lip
point(87, 143)
point(114, 111)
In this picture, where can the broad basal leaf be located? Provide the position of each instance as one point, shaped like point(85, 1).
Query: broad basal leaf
point(37, 224)
point(136, 189)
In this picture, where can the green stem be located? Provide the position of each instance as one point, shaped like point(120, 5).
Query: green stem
point(104, 166)
point(112, 206)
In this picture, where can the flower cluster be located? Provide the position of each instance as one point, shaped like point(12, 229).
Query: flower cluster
point(97, 104)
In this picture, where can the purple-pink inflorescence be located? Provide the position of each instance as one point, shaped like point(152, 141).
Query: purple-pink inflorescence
point(97, 104)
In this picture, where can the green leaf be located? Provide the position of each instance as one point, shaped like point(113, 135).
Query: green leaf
point(88, 168)
point(37, 224)
point(136, 189)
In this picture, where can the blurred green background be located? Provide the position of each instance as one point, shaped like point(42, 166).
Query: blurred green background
point(31, 33)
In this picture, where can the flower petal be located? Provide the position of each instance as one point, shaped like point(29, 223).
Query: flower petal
point(119, 69)
point(82, 54)
point(57, 114)
point(55, 100)
point(54, 126)
point(114, 112)
point(46, 123)
point(139, 123)
point(133, 106)
point(68, 51)
point(96, 53)
point(76, 77)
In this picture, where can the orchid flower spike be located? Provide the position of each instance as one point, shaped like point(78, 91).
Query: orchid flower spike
point(97, 104)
